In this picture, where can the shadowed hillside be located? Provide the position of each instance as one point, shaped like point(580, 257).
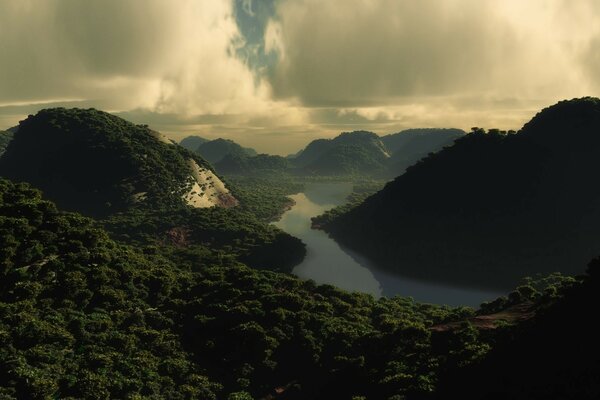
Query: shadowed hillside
point(97, 163)
point(493, 207)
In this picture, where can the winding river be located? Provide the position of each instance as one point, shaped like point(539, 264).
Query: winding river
point(327, 262)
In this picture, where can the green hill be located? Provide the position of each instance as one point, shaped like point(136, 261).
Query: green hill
point(411, 145)
point(97, 163)
point(357, 152)
point(192, 142)
point(491, 208)
point(5, 138)
point(82, 316)
point(235, 164)
point(215, 150)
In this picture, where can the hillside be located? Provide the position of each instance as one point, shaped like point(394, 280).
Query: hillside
point(192, 142)
point(553, 356)
point(215, 150)
point(98, 164)
point(5, 138)
point(409, 146)
point(492, 208)
point(82, 316)
point(235, 164)
point(357, 152)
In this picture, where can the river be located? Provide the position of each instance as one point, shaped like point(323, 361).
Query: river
point(327, 262)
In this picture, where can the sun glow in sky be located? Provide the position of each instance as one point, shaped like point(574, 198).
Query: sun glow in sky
point(275, 74)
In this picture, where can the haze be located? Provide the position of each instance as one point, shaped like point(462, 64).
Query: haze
point(275, 74)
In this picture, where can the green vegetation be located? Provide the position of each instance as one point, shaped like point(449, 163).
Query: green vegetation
point(215, 150)
point(188, 235)
point(265, 197)
point(351, 153)
point(5, 138)
point(262, 165)
point(84, 317)
point(491, 208)
point(96, 163)
point(410, 146)
point(192, 142)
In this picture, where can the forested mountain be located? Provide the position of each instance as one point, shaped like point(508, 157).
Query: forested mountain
point(5, 138)
point(493, 207)
point(82, 316)
point(357, 152)
point(411, 145)
point(215, 150)
point(99, 164)
point(158, 302)
point(192, 142)
point(554, 356)
point(260, 164)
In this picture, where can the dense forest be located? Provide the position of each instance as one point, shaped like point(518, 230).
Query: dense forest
point(214, 151)
point(96, 163)
point(491, 208)
point(161, 299)
point(82, 316)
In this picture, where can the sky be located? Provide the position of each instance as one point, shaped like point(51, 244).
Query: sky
point(275, 74)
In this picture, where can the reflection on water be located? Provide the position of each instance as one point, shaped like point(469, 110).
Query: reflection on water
point(327, 262)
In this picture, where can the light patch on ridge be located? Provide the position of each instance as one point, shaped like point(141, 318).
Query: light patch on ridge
point(208, 190)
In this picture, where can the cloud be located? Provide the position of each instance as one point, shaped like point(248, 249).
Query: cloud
point(126, 53)
point(358, 53)
point(275, 74)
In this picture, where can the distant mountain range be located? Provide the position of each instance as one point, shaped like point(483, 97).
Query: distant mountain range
point(96, 163)
point(493, 207)
point(193, 142)
point(358, 153)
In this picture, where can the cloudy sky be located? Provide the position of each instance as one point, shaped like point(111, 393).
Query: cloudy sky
point(275, 74)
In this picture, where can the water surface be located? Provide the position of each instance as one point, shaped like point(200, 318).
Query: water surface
point(327, 262)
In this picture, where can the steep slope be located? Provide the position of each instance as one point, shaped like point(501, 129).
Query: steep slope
point(357, 152)
point(409, 146)
point(553, 356)
point(493, 207)
point(215, 150)
point(5, 138)
point(235, 164)
point(192, 142)
point(84, 317)
point(97, 163)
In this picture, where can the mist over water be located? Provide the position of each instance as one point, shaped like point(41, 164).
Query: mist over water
point(327, 262)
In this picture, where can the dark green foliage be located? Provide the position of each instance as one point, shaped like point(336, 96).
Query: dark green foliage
point(421, 141)
point(188, 234)
point(351, 153)
point(84, 317)
point(266, 198)
point(260, 165)
point(192, 142)
point(97, 163)
point(5, 138)
point(410, 146)
point(215, 150)
point(491, 208)
point(555, 355)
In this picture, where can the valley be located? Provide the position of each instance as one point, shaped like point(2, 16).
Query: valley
point(326, 262)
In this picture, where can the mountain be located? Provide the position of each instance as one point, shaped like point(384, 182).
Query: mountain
point(411, 145)
point(192, 142)
point(491, 208)
point(235, 164)
point(85, 317)
point(5, 138)
point(97, 163)
point(357, 152)
point(553, 356)
point(213, 151)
